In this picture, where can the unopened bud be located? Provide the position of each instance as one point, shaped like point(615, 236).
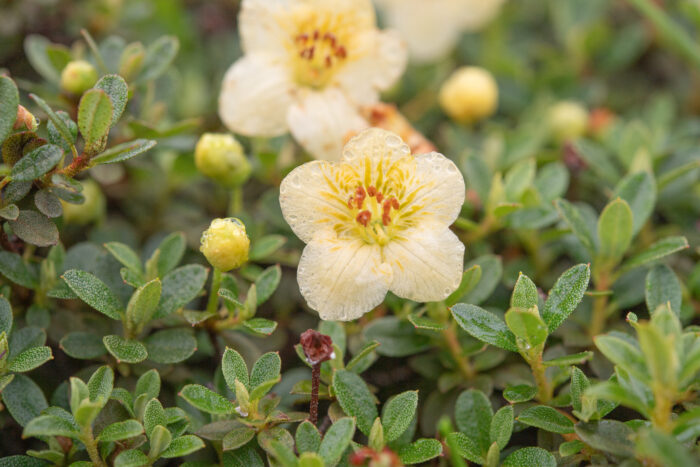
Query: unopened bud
point(568, 120)
point(470, 94)
point(89, 211)
point(317, 347)
point(78, 76)
point(225, 244)
point(221, 158)
point(25, 119)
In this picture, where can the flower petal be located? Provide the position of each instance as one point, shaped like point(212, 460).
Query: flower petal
point(377, 67)
point(255, 96)
point(375, 144)
point(438, 193)
point(427, 262)
point(259, 26)
point(342, 279)
point(322, 121)
point(310, 201)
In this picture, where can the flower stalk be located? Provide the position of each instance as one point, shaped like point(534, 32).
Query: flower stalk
point(317, 348)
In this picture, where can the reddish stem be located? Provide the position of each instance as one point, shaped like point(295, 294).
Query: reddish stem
point(315, 382)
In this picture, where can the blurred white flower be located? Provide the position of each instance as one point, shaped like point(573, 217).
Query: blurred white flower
point(375, 221)
point(308, 66)
point(431, 28)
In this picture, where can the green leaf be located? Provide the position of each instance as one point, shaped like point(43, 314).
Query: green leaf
point(153, 415)
point(265, 246)
point(14, 268)
point(82, 345)
point(9, 212)
point(272, 435)
point(183, 446)
point(131, 458)
point(527, 325)
point(525, 293)
point(56, 136)
point(171, 345)
point(528, 457)
point(359, 358)
point(470, 278)
point(565, 296)
point(336, 440)
point(397, 338)
point(267, 283)
point(5, 315)
point(179, 287)
point(615, 232)
point(124, 350)
point(48, 203)
point(94, 292)
point(484, 325)
point(501, 426)
point(639, 191)
point(238, 437)
point(662, 286)
point(51, 425)
point(425, 322)
point(35, 228)
point(125, 255)
point(142, 305)
point(569, 448)
point(120, 430)
point(576, 220)
point(23, 399)
point(234, 368)
point(206, 400)
point(308, 438)
point(355, 399)
point(148, 384)
point(30, 359)
point(491, 271)
point(659, 353)
point(118, 92)
point(58, 122)
point(546, 418)
point(621, 352)
point(158, 57)
point(466, 447)
point(260, 326)
point(9, 101)
point(35, 48)
point(568, 360)
point(124, 151)
point(172, 249)
point(94, 118)
point(664, 247)
point(398, 414)
point(25, 461)
point(607, 435)
point(267, 368)
point(420, 451)
point(519, 393)
point(473, 414)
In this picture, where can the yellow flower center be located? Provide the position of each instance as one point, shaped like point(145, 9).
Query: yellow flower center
point(373, 214)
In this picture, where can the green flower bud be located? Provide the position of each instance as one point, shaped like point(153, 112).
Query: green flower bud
point(91, 210)
point(221, 158)
point(78, 76)
point(568, 120)
point(225, 244)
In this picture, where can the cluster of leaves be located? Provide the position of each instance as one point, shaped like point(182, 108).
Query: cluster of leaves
point(119, 346)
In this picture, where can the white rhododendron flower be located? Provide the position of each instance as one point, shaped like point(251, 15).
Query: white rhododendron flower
point(375, 221)
point(431, 28)
point(308, 66)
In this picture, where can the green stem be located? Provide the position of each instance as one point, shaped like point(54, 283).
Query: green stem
point(545, 391)
point(485, 227)
point(673, 33)
point(663, 406)
point(91, 446)
point(236, 202)
point(214, 292)
point(465, 367)
point(600, 307)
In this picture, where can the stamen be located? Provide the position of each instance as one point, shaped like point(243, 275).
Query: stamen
point(371, 191)
point(360, 197)
point(340, 52)
point(364, 217)
point(329, 61)
point(380, 197)
point(394, 203)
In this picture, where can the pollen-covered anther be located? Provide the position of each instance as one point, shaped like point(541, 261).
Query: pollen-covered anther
point(386, 209)
point(364, 217)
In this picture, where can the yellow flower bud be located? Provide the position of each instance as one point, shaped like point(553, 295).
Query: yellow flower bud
point(470, 94)
point(221, 158)
point(91, 210)
point(78, 76)
point(568, 120)
point(225, 244)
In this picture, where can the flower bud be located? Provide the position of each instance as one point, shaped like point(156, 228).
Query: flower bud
point(25, 119)
point(317, 347)
point(78, 76)
point(91, 210)
point(221, 158)
point(568, 120)
point(225, 244)
point(470, 94)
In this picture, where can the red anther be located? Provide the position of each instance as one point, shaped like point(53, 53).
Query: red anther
point(394, 203)
point(311, 52)
point(316, 34)
point(350, 202)
point(360, 196)
point(386, 218)
point(302, 38)
point(364, 217)
point(330, 37)
point(380, 197)
point(329, 62)
point(387, 205)
point(340, 52)
point(371, 191)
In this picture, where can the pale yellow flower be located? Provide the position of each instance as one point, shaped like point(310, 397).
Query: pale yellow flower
point(431, 28)
point(375, 221)
point(308, 66)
